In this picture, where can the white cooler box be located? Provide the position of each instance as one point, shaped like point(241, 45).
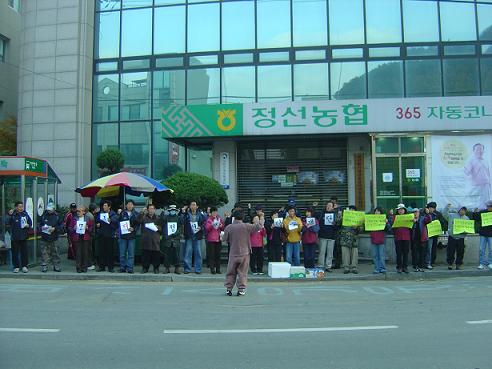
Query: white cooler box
point(279, 270)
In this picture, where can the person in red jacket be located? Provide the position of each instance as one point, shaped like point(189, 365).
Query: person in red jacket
point(402, 242)
point(310, 229)
point(256, 239)
point(378, 239)
point(81, 227)
point(213, 226)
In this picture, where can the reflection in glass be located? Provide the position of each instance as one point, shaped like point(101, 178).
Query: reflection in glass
point(347, 53)
point(484, 22)
point(136, 3)
point(169, 2)
point(104, 136)
point(412, 145)
point(274, 83)
point(203, 27)
point(460, 77)
point(168, 88)
point(169, 62)
point(108, 35)
point(169, 30)
point(386, 145)
point(108, 4)
point(310, 54)
point(136, 64)
point(348, 80)
point(274, 56)
point(459, 49)
point(383, 52)
point(203, 86)
point(273, 31)
point(135, 96)
point(136, 38)
point(309, 22)
point(423, 78)
point(311, 81)
point(106, 93)
point(238, 58)
point(135, 139)
point(385, 79)
point(486, 72)
point(413, 185)
point(238, 85)
point(421, 50)
point(346, 22)
point(457, 22)
point(204, 60)
point(238, 25)
point(420, 21)
point(200, 160)
point(383, 19)
point(160, 152)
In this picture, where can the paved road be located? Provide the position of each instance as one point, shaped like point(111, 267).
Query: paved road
point(360, 324)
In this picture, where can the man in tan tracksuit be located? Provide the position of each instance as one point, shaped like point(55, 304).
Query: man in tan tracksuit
point(238, 236)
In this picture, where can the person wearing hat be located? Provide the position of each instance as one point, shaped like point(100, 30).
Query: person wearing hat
point(485, 233)
point(430, 216)
point(72, 251)
point(172, 232)
point(402, 241)
point(49, 227)
point(127, 236)
point(456, 242)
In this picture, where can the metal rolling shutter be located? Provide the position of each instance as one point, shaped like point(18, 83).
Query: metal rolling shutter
point(310, 170)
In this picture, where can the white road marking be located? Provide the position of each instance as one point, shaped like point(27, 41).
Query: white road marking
point(479, 321)
point(29, 330)
point(282, 330)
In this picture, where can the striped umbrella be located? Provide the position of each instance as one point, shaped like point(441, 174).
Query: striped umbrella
point(132, 183)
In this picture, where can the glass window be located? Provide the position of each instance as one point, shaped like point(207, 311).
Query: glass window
point(136, 37)
point(413, 173)
point(168, 88)
point(383, 52)
point(200, 160)
point(107, 66)
point(385, 79)
point(347, 53)
point(310, 55)
point(108, 4)
point(160, 152)
point(422, 50)
point(108, 35)
point(273, 31)
point(383, 21)
point(238, 58)
point(3, 46)
point(423, 78)
point(104, 136)
point(169, 30)
point(412, 145)
point(486, 49)
point(348, 80)
point(136, 3)
point(238, 25)
point(484, 22)
point(388, 177)
point(387, 145)
point(274, 83)
point(459, 50)
point(486, 71)
point(457, 22)
point(203, 86)
point(420, 21)
point(15, 4)
point(135, 139)
point(198, 60)
point(136, 64)
point(346, 22)
point(460, 77)
point(238, 84)
point(311, 81)
point(274, 56)
point(203, 27)
point(106, 94)
point(309, 27)
point(135, 96)
point(169, 62)
point(169, 2)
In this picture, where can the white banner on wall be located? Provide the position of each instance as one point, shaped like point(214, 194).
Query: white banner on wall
point(461, 170)
point(224, 170)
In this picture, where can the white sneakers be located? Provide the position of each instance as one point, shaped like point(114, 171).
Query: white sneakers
point(480, 267)
point(490, 266)
point(92, 267)
point(24, 270)
point(16, 270)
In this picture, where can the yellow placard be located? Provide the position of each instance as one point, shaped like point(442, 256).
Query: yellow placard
point(352, 218)
point(434, 228)
point(463, 226)
point(486, 219)
point(375, 222)
point(403, 221)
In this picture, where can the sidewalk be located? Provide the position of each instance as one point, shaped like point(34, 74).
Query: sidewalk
point(365, 273)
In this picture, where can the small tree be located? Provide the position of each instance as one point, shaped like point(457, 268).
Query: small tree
point(8, 136)
point(195, 187)
point(110, 161)
point(171, 170)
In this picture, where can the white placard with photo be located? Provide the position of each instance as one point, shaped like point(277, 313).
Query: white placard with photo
point(195, 227)
point(80, 227)
point(277, 222)
point(104, 217)
point(125, 227)
point(310, 221)
point(329, 218)
point(172, 228)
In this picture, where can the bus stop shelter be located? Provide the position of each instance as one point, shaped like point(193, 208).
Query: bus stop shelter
point(32, 181)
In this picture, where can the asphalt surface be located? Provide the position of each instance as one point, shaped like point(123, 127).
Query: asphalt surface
point(444, 323)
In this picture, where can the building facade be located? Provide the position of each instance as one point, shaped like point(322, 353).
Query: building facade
point(404, 74)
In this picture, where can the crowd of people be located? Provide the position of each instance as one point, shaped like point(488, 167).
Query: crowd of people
point(172, 238)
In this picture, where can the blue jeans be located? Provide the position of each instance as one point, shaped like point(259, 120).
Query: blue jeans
point(484, 243)
point(193, 247)
point(127, 254)
point(293, 249)
point(379, 257)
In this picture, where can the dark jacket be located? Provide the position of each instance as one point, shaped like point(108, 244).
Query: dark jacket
point(132, 217)
point(169, 217)
point(18, 233)
point(327, 231)
point(482, 231)
point(74, 236)
point(51, 219)
point(187, 219)
point(107, 230)
point(150, 240)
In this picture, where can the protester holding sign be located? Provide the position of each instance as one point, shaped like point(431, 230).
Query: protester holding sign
point(256, 241)
point(151, 228)
point(327, 235)
point(293, 227)
point(484, 218)
point(402, 241)
point(378, 237)
point(310, 229)
point(128, 226)
point(275, 235)
point(20, 222)
point(456, 242)
point(193, 222)
point(81, 226)
point(214, 225)
point(106, 223)
point(430, 216)
point(419, 241)
point(348, 242)
point(50, 225)
point(172, 232)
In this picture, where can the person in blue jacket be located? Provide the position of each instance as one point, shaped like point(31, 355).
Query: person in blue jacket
point(20, 222)
point(193, 221)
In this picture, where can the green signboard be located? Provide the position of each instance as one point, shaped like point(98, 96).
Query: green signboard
point(34, 165)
